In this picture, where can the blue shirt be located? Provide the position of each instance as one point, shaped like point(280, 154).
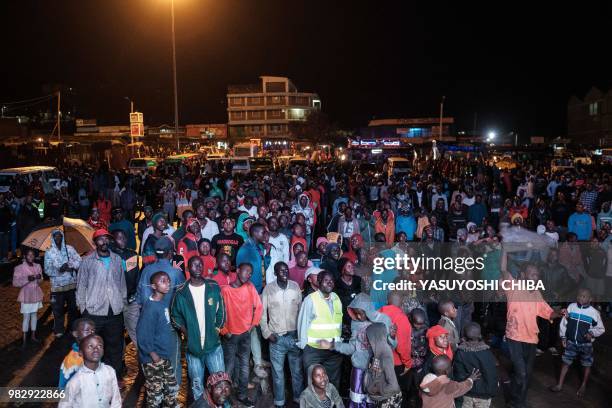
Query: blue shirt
point(154, 331)
point(581, 225)
point(144, 284)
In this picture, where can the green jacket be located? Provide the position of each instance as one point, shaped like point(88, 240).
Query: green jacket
point(184, 315)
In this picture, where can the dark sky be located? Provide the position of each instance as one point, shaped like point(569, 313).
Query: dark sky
point(516, 67)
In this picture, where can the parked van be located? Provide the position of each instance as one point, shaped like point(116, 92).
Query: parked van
point(48, 174)
point(241, 165)
point(142, 165)
point(398, 166)
point(261, 164)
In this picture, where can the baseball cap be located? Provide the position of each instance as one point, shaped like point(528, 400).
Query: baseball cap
point(313, 270)
point(100, 233)
point(163, 245)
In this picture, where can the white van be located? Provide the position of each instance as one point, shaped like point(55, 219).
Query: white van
point(48, 174)
point(241, 165)
point(398, 166)
point(142, 165)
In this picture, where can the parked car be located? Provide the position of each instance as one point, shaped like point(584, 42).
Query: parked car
point(47, 173)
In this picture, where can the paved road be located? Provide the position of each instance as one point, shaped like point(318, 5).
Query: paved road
point(38, 364)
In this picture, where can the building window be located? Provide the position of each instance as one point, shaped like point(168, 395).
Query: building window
point(275, 100)
point(255, 101)
point(274, 128)
point(255, 115)
point(237, 115)
point(593, 108)
point(255, 129)
point(275, 87)
point(275, 113)
point(236, 101)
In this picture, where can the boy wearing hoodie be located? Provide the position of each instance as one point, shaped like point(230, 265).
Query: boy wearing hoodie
point(438, 391)
point(475, 354)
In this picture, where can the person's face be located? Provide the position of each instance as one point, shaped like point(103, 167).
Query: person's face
point(244, 273)
point(342, 207)
point(233, 204)
point(83, 330)
point(162, 285)
point(29, 257)
point(247, 225)
point(434, 221)
point(283, 221)
point(418, 322)
point(579, 208)
point(221, 392)
point(441, 341)
point(95, 214)
point(202, 212)
point(300, 219)
point(360, 315)
point(355, 242)
point(348, 213)
point(148, 214)
point(301, 259)
point(401, 237)
point(161, 224)
point(204, 248)
point(194, 228)
point(327, 284)
point(120, 239)
point(262, 211)
point(273, 224)
point(335, 253)
point(349, 269)
point(187, 215)
point(196, 267)
point(298, 231)
point(282, 273)
point(313, 279)
point(531, 273)
point(452, 312)
point(57, 238)
point(102, 243)
point(584, 297)
point(605, 207)
point(93, 350)
point(224, 263)
point(259, 234)
point(228, 225)
point(274, 207)
point(118, 215)
point(319, 378)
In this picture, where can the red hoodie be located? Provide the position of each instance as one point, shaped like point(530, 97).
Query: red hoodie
point(402, 353)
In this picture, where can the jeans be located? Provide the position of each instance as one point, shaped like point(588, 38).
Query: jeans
point(236, 353)
point(285, 347)
point(4, 244)
point(522, 356)
point(131, 313)
point(110, 328)
point(197, 366)
point(14, 239)
point(58, 301)
point(256, 346)
point(329, 359)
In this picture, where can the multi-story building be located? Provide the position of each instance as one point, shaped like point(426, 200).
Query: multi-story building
point(589, 120)
point(268, 110)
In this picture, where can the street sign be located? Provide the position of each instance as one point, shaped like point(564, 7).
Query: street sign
point(136, 129)
point(136, 117)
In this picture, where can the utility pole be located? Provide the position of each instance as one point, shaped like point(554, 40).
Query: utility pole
point(176, 131)
point(441, 115)
point(59, 114)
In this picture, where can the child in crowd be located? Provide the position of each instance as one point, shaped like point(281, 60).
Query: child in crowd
point(81, 328)
point(208, 261)
point(380, 380)
point(438, 391)
point(579, 327)
point(28, 277)
point(155, 345)
point(320, 393)
point(95, 383)
point(472, 354)
point(447, 321)
point(297, 273)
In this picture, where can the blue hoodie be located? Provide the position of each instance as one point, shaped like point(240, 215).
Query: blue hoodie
point(255, 255)
point(406, 224)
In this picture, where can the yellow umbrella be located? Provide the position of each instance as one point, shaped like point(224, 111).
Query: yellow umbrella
point(77, 233)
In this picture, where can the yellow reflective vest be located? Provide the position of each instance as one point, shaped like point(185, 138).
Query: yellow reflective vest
point(325, 326)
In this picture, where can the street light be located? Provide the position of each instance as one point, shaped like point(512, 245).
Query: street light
point(178, 142)
point(491, 135)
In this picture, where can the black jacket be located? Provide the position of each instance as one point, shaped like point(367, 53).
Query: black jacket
point(476, 355)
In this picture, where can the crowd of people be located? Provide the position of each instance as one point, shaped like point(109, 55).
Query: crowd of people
point(242, 274)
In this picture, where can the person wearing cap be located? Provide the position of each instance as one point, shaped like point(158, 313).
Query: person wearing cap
point(164, 252)
point(158, 229)
point(101, 293)
point(320, 318)
point(248, 207)
point(182, 229)
point(119, 222)
point(311, 283)
point(218, 391)
point(61, 263)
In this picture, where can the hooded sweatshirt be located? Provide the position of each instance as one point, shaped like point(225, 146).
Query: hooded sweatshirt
point(604, 217)
point(358, 346)
point(471, 355)
point(310, 399)
point(56, 257)
point(239, 230)
point(381, 386)
point(307, 211)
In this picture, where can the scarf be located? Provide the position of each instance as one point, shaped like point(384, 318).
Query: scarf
point(434, 332)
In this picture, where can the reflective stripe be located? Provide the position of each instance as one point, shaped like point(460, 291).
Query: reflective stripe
point(325, 326)
point(315, 339)
point(357, 398)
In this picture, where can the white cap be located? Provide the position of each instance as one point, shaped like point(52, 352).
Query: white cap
point(313, 270)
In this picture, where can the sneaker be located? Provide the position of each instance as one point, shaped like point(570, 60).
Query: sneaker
point(260, 371)
point(247, 402)
point(58, 335)
point(539, 352)
point(553, 351)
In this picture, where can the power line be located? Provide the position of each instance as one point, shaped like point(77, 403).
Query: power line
point(40, 98)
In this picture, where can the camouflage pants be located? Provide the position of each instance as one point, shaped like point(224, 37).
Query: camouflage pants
point(160, 384)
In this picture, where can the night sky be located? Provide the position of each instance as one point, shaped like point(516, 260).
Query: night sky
point(515, 67)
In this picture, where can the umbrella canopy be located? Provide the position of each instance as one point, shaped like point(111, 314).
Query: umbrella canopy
point(77, 233)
